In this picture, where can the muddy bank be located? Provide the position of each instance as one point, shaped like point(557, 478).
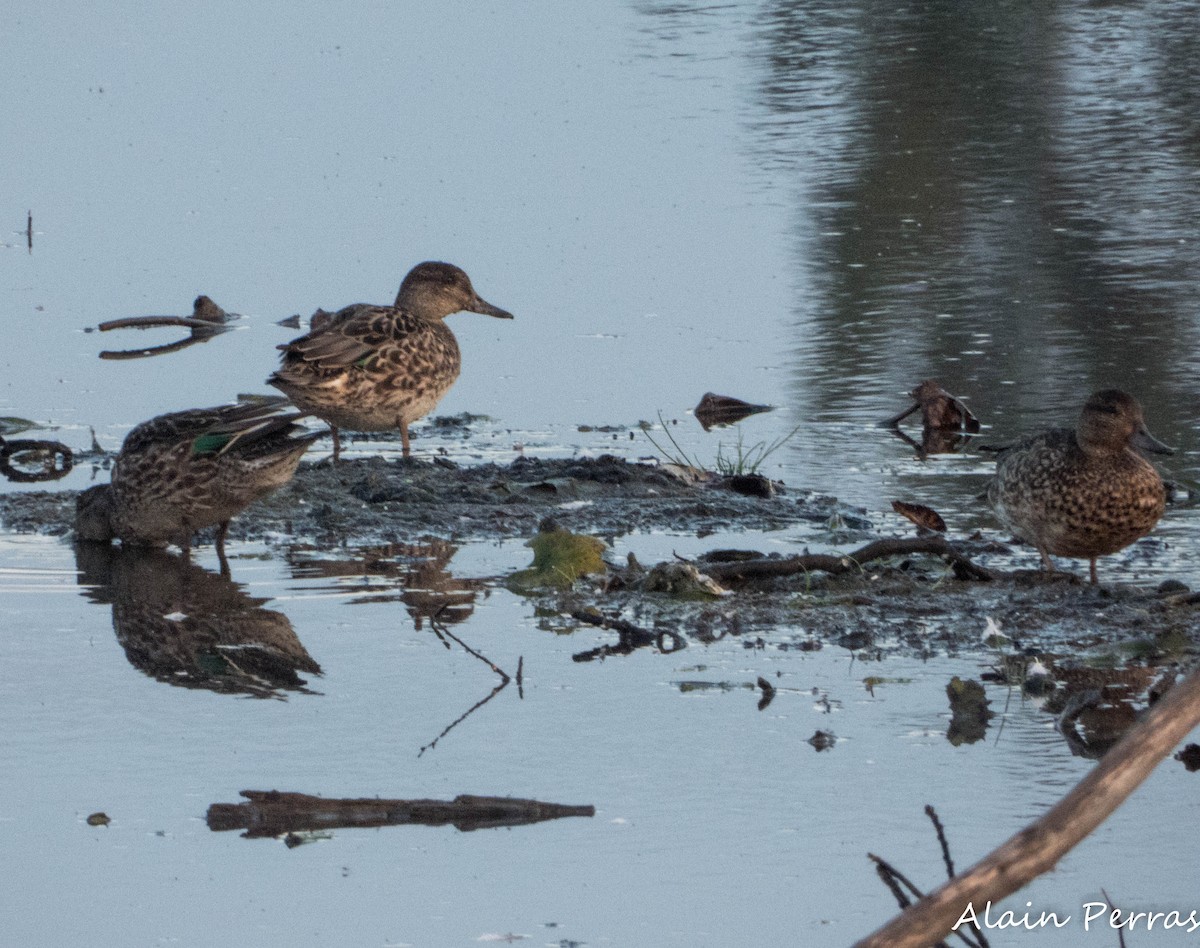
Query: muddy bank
point(918, 603)
point(912, 604)
point(376, 500)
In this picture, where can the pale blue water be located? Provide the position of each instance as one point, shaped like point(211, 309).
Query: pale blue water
point(809, 205)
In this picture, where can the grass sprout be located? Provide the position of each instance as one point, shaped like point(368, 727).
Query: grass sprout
point(738, 460)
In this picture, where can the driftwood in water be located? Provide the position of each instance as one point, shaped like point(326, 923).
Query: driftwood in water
point(1038, 848)
point(771, 568)
point(206, 321)
point(275, 813)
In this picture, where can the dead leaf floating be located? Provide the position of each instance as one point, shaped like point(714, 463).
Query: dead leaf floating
point(717, 410)
point(940, 411)
point(924, 517)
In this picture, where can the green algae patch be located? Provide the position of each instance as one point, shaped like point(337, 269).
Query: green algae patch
point(559, 558)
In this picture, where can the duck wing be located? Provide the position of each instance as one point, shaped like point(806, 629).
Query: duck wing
point(351, 336)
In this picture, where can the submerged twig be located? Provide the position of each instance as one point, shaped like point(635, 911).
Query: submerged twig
point(462, 717)
point(440, 628)
point(443, 633)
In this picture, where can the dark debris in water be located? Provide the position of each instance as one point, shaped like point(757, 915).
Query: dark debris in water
point(272, 813)
point(717, 410)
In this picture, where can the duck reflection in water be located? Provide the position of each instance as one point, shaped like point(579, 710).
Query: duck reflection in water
point(420, 570)
point(183, 625)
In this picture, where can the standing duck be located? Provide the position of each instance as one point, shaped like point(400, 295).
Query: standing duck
point(380, 368)
point(1082, 493)
point(181, 472)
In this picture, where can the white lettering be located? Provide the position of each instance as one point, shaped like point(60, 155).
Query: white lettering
point(968, 916)
point(1093, 911)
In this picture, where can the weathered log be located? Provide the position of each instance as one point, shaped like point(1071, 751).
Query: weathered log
point(1038, 848)
point(771, 568)
point(274, 813)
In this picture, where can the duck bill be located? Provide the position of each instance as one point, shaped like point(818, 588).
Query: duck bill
point(480, 305)
point(1143, 440)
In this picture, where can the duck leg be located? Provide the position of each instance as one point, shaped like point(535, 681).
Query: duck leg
point(222, 530)
point(404, 437)
point(337, 443)
point(1046, 561)
point(1092, 570)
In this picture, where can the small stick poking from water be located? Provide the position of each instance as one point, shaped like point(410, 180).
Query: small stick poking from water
point(941, 835)
point(29, 231)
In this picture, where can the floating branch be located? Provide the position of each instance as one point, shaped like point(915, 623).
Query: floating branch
point(206, 321)
point(1038, 847)
point(55, 458)
point(269, 813)
point(631, 637)
point(155, 322)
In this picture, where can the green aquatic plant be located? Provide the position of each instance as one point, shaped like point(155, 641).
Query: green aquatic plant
point(559, 558)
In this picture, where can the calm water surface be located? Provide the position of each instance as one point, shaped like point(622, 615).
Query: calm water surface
point(804, 204)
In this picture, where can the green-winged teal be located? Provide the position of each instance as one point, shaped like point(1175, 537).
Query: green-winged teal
point(380, 368)
point(1086, 492)
point(184, 471)
point(224, 641)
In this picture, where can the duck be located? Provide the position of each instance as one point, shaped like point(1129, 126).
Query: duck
point(188, 627)
point(1086, 492)
point(380, 368)
point(181, 472)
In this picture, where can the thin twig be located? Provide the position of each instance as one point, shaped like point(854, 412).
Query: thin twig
point(941, 835)
point(462, 717)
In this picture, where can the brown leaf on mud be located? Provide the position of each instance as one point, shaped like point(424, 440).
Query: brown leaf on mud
point(940, 411)
point(716, 410)
point(926, 518)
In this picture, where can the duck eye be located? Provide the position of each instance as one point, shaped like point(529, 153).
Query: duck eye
point(1107, 409)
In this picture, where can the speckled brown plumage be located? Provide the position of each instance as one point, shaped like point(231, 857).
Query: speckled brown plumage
point(184, 471)
point(1082, 493)
point(190, 628)
point(380, 368)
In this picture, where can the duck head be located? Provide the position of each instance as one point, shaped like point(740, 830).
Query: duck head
point(434, 290)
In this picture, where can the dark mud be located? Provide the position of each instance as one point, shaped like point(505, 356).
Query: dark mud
point(378, 501)
point(914, 603)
